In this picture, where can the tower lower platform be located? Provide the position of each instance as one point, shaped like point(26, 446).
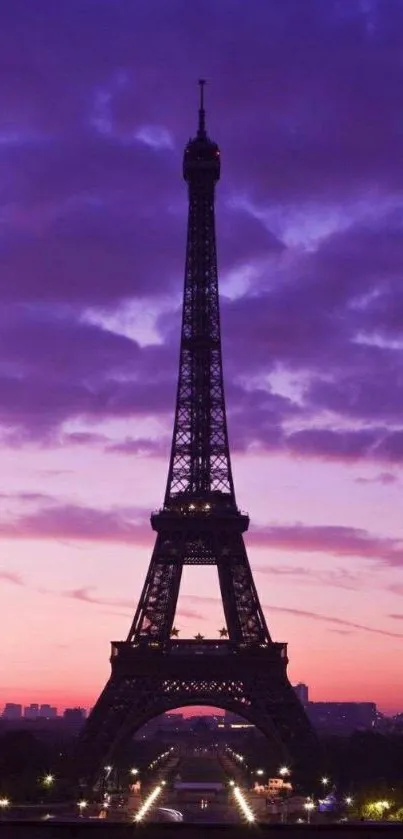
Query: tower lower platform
point(149, 679)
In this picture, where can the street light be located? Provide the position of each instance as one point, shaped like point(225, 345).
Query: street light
point(134, 771)
point(309, 806)
point(81, 806)
point(259, 771)
point(284, 771)
point(48, 780)
point(349, 800)
point(325, 781)
point(4, 803)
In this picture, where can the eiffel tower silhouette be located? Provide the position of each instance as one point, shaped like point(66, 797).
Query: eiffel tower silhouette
point(199, 524)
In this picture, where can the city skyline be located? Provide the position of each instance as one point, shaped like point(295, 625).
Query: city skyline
point(310, 256)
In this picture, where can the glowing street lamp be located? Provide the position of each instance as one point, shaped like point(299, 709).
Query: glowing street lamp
point(325, 781)
point(82, 806)
point(4, 803)
point(259, 771)
point(309, 806)
point(284, 771)
point(349, 800)
point(48, 780)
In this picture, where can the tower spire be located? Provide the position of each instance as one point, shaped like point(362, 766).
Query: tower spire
point(201, 132)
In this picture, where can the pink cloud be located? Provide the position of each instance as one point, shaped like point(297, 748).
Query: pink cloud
point(332, 539)
point(81, 523)
point(385, 478)
point(310, 615)
point(11, 577)
point(85, 596)
point(340, 578)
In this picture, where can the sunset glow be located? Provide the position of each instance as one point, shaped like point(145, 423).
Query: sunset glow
point(306, 106)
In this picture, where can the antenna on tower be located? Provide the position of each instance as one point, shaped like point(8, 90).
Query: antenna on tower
point(202, 114)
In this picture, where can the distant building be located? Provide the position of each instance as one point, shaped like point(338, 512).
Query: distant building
point(12, 711)
point(302, 692)
point(75, 716)
point(47, 712)
point(31, 712)
point(342, 717)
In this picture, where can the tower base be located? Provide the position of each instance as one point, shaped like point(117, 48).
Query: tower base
point(151, 678)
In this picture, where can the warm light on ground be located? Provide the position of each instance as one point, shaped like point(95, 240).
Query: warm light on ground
point(147, 803)
point(243, 805)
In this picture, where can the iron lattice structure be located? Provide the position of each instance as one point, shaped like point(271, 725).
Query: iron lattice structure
point(199, 524)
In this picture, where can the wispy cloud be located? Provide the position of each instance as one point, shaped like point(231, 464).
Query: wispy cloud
point(74, 522)
point(315, 616)
point(86, 595)
point(304, 613)
point(336, 540)
point(385, 478)
point(338, 577)
point(11, 577)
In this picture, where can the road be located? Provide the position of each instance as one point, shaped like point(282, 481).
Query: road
point(190, 789)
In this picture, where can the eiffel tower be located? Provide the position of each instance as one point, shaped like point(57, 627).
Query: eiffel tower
point(154, 671)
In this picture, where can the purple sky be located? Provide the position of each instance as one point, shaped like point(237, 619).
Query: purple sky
point(97, 99)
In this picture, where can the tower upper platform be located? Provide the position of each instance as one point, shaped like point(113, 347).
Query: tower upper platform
point(201, 155)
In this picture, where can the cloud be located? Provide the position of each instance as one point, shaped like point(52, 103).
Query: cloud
point(385, 478)
point(85, 595)
point(340, 578)
point(304, 613)
point(396, 617)
point(130, 525)
point(72, 522)
point(308, 218)
point(336, 540)
point(11, 577)
point(140, 446)
point(28, 497)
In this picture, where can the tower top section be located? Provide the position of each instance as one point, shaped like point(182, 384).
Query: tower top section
point(201, 160)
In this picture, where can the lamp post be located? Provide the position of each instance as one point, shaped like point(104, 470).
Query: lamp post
point(284, 773)
point(81, 807)
point(4, 803)
point(309, 807)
